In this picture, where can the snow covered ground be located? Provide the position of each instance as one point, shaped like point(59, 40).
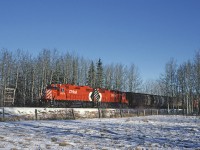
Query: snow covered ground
point(152, 132)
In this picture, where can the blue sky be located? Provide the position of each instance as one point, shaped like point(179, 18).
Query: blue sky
point(144, 32)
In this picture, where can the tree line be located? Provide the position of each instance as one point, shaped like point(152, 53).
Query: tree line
point(181, 81)
point(29, 74)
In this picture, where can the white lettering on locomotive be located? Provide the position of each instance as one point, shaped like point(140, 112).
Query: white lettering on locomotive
point(72, 92)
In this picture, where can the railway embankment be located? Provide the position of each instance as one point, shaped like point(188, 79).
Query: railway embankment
point(30, 113)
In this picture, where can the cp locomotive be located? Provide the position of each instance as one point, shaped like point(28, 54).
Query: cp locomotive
point(66, 95)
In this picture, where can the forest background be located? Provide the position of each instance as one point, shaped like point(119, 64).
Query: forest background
point(29, 75)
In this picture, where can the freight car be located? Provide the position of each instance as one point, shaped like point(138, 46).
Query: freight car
point(66, 95)
point(141, 100)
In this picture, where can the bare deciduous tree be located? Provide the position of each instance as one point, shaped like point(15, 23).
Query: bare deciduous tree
point(134, 80)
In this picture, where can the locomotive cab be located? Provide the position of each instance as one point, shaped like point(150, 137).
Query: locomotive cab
point(50, 92)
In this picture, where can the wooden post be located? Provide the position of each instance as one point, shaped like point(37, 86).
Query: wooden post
point(157, 111)
point(168, 108)
point(3, 114)
point(73, 115)
point(36, 116)
point(99, 112)
point(120, 111)
point(144, 112)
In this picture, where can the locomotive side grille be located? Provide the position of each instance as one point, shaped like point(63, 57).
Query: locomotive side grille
point(49, 94)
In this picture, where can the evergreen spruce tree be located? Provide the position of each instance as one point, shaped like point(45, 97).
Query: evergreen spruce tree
point(99, 75)
point(91, 75)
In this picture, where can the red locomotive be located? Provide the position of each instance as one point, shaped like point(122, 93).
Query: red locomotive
point(66, 95)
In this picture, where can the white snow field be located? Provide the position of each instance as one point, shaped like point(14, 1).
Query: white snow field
point(147, 132)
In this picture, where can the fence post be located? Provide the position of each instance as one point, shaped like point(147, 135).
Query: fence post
point(144, 112)
point(157, 111)
point(73, 115)
point(120, 111)
point(36, 117)
point(3, 114)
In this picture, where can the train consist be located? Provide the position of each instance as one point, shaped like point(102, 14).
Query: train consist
point(141, 100)
point(66, 95)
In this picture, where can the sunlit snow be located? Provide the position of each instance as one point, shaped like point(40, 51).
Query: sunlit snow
point(152, 132)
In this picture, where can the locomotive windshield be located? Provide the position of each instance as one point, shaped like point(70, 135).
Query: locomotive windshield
point(52, 87)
